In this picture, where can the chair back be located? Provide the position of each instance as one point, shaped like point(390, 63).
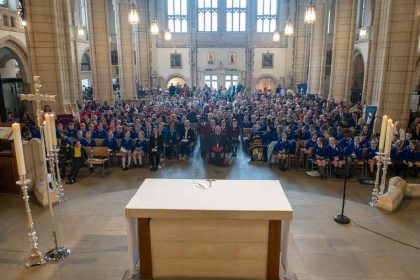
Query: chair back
point(100, 152)
point(99, 142)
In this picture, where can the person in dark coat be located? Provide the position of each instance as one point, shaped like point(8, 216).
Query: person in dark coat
point(155, 149)
point(217, 147)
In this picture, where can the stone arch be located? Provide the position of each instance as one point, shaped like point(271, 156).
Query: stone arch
point(18, 52)
point(358, 76)
point(175, 77)
point(266, 81)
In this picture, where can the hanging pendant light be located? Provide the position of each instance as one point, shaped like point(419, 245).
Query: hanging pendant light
point(363, 32)
point(276, 37)
point(133, 15)
point(168, 36)
point(310, 13)
point(288, 30)
point(81, 31)
point(154, 27)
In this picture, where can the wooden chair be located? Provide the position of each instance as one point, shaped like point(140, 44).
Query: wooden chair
point(99, 142)
point(100, 157)
point(117, 154)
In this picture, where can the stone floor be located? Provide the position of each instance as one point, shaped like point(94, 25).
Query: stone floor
point(92, 224)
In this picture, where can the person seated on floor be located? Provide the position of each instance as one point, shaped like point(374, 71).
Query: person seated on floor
point(282, 149)
point(78, 159)
point(186, 140)
point(110, 142)
point(335, 156)
point(217, 148)
point(155, 148)
point(126, 149)
point(319, 156)
point(371, 157)
point(411, 159)
point(354, 154)
point(140, 149)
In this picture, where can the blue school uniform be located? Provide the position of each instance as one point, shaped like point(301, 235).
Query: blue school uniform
point(110, 143)
point(306, 135)
point(269, 137)
point(72, 133)
point(396, 155)
point(352, 149)
point(410, 155)
point(371, 153)
point(101, 134)
point(87, 143)
point(333, 152)
point(141, 145)
point(319, 152)
point(281, 146)
point(118, 135)
point(127, 144)
point(35, 132)
point(310, 144)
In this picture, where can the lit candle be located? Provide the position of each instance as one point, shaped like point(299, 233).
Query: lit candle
point(17, 140)
point(389, 136)
point(53, 130)
point(383, 133)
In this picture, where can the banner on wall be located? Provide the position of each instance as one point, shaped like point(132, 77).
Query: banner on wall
point(370, 114)
point(302, 88)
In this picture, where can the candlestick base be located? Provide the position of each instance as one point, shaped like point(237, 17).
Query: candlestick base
point(57, 254)
point(342, 219)
point(35, 258)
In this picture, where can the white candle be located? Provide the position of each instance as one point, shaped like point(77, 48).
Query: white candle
point(389, 136)
point(383, 133)
point(47, 133)
point(53, 130)
point(17, 140)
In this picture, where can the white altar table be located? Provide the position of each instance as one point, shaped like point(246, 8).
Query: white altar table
point(186, 229)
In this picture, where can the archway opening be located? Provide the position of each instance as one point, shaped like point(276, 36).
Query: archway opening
point(12, 85)
point(175, 81)
point(358, 78)
point(266, 84)
point(86, 76)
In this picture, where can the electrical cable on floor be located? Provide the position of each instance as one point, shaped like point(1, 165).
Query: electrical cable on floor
point(387, 237)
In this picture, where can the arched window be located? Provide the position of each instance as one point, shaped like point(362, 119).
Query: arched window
point(85, 65)
point(236, 15)
point(266, 15)
point(177, 15)
point(207, 15)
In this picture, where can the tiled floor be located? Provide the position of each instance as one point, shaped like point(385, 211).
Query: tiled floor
point(92, 224)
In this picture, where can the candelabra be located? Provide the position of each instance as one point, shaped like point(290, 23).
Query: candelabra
point(382, 162)
point(57, 182)
point(375, 192)
point(35, 255)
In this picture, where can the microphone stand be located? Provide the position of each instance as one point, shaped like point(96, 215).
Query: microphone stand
point(341, 218)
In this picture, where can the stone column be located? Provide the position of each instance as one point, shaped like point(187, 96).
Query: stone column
point(300, 42)
point(394, 45)
point(49, 50)
point(144, 62)
point(318, 50)
point(124, 36)
point(343, 48)
point(100, 50)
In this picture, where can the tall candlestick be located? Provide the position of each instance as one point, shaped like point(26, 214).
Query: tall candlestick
point(389, 137)
point(17, 140)
point(383, 133)
point(53, 130)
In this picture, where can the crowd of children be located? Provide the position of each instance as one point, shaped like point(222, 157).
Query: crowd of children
point(273, 127)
